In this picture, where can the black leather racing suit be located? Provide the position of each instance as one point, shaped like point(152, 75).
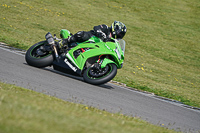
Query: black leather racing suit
point(101, 31)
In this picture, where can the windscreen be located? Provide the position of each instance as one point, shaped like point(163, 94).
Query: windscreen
point(122, 43)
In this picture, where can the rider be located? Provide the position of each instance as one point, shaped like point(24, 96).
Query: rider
point(117, 31)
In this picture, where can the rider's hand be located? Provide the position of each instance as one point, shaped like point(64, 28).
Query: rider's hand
point(101, 35)
point(105, 39)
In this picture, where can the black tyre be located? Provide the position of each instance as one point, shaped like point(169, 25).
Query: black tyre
point(45, 58)
point(96, 77)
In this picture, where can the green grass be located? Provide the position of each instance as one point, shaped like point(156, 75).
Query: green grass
point(26, 111)
point(163, 37)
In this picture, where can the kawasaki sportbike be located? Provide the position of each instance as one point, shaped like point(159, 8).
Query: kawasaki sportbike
point(96, 61)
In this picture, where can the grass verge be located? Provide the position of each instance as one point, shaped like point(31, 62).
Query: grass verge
point(23, 110)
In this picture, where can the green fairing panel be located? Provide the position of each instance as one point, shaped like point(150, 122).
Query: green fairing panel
point(97, 48)
point(94, 51)
point(64, 33)
point(106, 61)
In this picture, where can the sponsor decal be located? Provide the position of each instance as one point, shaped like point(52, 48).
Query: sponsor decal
point(70, 58)
point(70, 65)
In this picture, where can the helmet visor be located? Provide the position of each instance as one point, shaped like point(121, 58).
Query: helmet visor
point(121, 35)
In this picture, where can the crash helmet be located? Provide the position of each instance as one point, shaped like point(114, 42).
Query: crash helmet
point(118, 30)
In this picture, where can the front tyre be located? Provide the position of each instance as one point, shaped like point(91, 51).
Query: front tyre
point(96, 77)
point(35, 56)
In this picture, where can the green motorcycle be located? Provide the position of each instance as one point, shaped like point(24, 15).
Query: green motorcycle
point(96, 61)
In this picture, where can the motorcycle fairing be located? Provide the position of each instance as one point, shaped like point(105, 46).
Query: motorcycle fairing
point(96, 47)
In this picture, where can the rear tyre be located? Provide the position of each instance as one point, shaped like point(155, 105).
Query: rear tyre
point(38, 58)
point(96, 77)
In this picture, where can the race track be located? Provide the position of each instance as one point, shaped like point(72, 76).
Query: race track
point(112, 98)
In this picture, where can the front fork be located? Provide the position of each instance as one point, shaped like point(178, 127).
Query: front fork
point(51, 41)
point(56, 52)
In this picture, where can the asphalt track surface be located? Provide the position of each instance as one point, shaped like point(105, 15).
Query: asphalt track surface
point(109, 97)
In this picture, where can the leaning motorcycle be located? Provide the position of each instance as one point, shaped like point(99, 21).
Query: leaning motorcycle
point(94, 60)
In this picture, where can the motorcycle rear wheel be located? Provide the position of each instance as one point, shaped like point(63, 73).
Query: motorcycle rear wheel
point(35, 60)
point(93, 76)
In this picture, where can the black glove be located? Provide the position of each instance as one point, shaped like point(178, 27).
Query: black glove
point(105, 39)
point(101, 35)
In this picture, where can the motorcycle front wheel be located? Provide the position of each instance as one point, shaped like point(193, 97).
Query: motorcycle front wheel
point(96, 76)
point(38, 57)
